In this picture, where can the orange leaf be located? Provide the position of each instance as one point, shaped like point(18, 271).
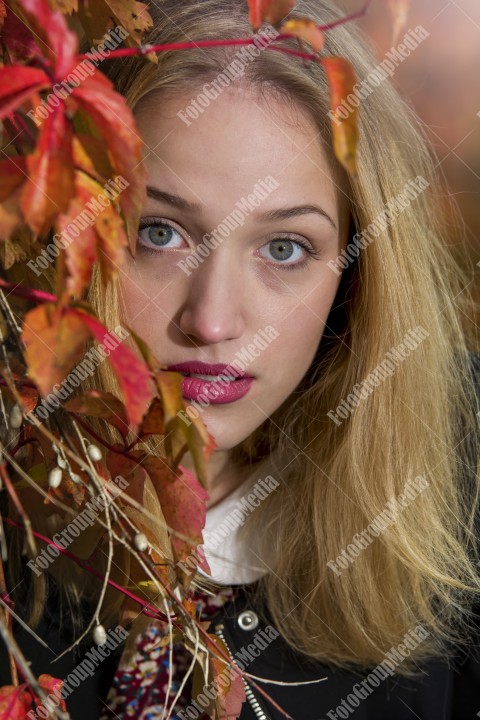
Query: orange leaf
point(131, 15)
point(170, 386)
point(64, 6)
point(399, 10)
point(101, 405)
point(51, 183)
point(54, 341)
point(105, 14)
point(179, 427)
point(183, 501)
point(230, 697)
point(15, 702)
point(50, 685)
point(80, 253)
point(272, 11)
point(341, 79)
point(305, 29)
point(91, 156)
point(153, 422)
point(132, 373)
point(102, 238)
point(130, 469)
point(12, 178)
point(111, 242)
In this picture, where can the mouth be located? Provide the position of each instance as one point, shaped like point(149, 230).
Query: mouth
point(209, 371)
point(212, 383)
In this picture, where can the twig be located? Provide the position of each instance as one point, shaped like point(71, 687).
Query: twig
point(24, 667)
point(8, 622)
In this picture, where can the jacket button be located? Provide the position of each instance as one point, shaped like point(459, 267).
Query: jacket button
point(248, 620)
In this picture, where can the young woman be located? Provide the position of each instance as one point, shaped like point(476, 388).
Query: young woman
point(318, 323)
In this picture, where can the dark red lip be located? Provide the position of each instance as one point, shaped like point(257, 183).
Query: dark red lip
point(201, 368)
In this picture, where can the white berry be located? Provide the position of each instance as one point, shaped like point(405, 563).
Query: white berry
point(140, 542)
point(16, 416)
point(99, 635)
point(55, 477)
point(94, 453)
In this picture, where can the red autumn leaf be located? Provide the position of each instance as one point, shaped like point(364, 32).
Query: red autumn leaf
point(17, 83)
point(153, 422)
point(183, 501)
point(19, 41)
point(54, 339)
point(132, 373)
point(128, 468)
point(101, 405)
point(114, 120)
point(230, 697)
point(341, 79)
point(58, 43)
point(15, 702)
point(50, 685)
point(29, 397)
point(399, 10)
point(183, 432)
point(305, 29)
point(51, 187)
point(272, 11)
point(201, 445)
point(51, 177)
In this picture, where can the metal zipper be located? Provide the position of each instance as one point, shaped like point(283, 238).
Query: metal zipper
point(250, 695)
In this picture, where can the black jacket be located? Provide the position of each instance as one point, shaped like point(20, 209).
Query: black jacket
point(444, 692)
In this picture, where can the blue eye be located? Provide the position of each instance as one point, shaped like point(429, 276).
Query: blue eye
point(288, 252)
point(158, 234)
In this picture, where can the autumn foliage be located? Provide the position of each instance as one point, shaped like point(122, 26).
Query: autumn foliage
point(49, 171)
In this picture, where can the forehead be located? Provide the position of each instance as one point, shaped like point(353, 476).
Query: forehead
point(241, 137)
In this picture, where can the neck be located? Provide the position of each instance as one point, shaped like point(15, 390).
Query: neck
point(223, 476)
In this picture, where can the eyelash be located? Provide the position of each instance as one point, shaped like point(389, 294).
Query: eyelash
point(156, 222)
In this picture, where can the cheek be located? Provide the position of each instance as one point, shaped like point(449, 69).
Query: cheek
point(301, 328)
point(303, 320)
point(139, 302)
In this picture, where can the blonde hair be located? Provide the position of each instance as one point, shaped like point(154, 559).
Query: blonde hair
point(337, 478)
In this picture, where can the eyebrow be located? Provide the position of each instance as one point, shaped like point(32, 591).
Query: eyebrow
point(280, 214)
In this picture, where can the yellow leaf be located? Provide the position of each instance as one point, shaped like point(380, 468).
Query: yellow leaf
point(305, 29)
point(341, 79)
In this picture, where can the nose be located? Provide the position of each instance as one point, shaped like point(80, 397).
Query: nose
point(214, 303)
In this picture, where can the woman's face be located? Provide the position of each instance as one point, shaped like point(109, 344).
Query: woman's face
point(253, 177)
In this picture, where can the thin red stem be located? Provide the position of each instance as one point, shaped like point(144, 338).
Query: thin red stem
point(28, 293)
point(190, 45)
point(146, 608)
